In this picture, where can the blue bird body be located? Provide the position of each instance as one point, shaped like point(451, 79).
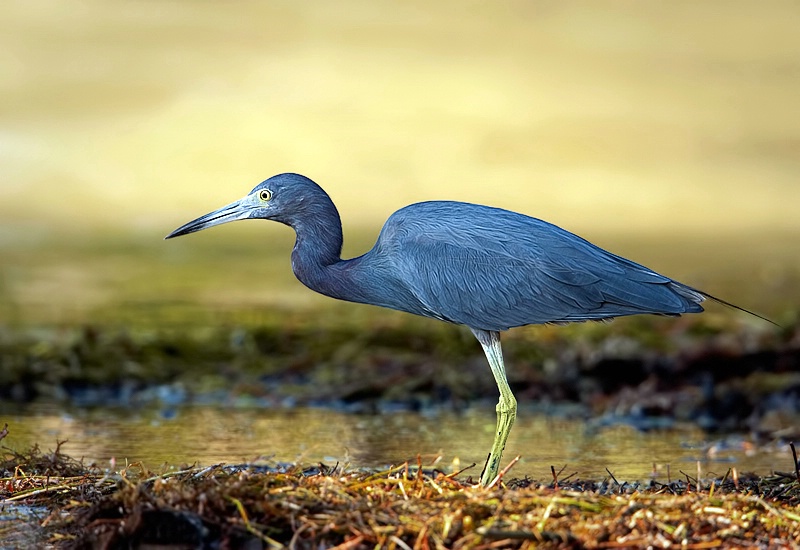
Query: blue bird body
point(486, 268)
point(493, 269)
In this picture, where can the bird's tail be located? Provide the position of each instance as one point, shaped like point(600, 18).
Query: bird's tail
point(696, 296)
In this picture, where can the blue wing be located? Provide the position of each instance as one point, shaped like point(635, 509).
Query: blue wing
point(494, 269)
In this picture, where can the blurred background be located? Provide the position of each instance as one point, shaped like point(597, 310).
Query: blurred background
point(669, 133)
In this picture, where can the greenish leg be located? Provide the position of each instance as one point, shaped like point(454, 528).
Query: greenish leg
point(506, 406)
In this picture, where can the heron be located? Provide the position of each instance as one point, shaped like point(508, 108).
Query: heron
point(487, 268)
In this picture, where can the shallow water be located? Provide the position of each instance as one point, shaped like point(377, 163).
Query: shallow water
point(671, 148)
point(211, 435)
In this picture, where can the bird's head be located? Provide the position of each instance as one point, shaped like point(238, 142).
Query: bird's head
point(282, 198)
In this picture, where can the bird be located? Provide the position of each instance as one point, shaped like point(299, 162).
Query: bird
point(487, 268)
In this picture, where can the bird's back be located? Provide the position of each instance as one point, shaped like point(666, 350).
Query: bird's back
point(494, 269)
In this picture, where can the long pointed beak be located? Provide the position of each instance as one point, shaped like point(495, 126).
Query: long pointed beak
point(238, 210)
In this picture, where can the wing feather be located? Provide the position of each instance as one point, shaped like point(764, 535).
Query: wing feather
point(493, 269)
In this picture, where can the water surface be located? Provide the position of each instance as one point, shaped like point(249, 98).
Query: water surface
point(209, 435)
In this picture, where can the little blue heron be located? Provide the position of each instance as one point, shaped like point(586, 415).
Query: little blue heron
point(486, 268)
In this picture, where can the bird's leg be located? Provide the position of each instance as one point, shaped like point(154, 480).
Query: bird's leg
point(506, 406)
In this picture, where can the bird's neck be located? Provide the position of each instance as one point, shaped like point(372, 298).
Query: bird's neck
point(317, 263)
point(317, 253)
point(318, 243)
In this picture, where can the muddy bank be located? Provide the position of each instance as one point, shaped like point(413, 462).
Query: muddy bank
point(722, 377)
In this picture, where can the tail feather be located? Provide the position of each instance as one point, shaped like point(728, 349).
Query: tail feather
point(692, 296)
point(696, 296)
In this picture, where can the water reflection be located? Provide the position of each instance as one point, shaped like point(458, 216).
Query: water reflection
point(211, 435)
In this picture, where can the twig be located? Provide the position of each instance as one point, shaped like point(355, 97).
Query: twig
point(504, 471)
point(462, 470)
point(725, 477)
point(348, 544)
point(36, 492)
point(794, 456)
point(570, 476)
point(485, 465)
point(697, 480)
point(249, 527)
point(399, 542)
point(688, 482)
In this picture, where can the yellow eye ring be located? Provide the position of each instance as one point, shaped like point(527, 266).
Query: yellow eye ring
point(265, 195)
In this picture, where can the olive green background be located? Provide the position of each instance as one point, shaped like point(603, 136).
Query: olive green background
point(667, 132)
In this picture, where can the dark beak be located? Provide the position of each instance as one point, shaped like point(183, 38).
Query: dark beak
point(239, 210)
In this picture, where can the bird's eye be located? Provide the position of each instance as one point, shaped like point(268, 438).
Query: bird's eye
point(265, 195)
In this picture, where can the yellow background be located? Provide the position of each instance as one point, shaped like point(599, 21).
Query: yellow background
point(667, 132)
